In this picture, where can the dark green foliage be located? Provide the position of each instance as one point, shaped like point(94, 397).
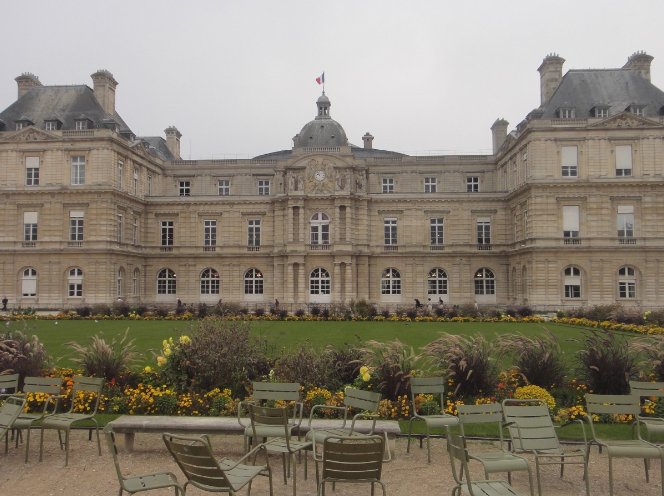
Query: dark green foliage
point(392, 366)
point(121, 307)
point(363, 309)
point(84, 311)
point(606, 363)
point(101, 309)
point(305, 365)
point(539, 359)
point(467, 361)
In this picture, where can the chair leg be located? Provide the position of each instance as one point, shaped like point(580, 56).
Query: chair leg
point(539, 481)
point(410, 431)
point(27, 444)
point(610, 476)
point(562, 466)
point(646, 465)
point(41, 443)
point(66, 447)
point(428, 444)
point(283, 459)
point(98, 441)
point(293, 462)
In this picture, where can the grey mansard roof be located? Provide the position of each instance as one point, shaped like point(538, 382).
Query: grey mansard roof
point(616, 89)
point(158, 146)
point(64, 103)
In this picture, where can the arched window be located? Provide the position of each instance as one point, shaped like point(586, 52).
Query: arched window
point(136, 282)
point(120, 282)
point(166, 282)
point(209, 282)
point(390, 282)
point(485, 282)
point(320, 229)
point(626, 282)
point(253, 282)
point(437, 282)
point(319, 282)
point(572, 282)
point(75, 283)
point(29, 282)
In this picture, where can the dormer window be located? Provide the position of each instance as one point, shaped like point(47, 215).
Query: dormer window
point(81, 124)
point(23, 123)
point(600, 112)
point(639, 110)
point(52, 125)
point(566, 113)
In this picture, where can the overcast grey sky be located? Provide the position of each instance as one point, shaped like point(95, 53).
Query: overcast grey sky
point(237, 78)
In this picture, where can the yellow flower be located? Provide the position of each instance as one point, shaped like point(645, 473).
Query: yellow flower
point(147, 369)
point(185, 340)
point(366, 377)
point(161, 361)
point(167, 351)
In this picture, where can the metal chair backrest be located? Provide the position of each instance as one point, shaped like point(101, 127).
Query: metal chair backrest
point(613, 404)
point(456, 447)
point(8, 385)
point(195, 458)
point(434, 386)
point(47, 385)
point(276, 391)
point(87, 385)
point(113, 448)
point(530, 426)
point(270, 416)
point(9, 411)
point(490, 413)
point(647, 389)
point(353, 458)
point(361, 400)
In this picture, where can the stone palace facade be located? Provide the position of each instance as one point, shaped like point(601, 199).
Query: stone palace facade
point(568, 210)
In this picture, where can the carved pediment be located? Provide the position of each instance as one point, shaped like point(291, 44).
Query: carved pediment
point(33, 134)
point(626, 120)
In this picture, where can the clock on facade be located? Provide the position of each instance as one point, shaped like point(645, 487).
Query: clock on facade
point(319, 175)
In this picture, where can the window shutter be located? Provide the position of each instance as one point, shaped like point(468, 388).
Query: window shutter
point(32, 162)
point(76, 214)
point(625, 209)
point(29, 217)
point(571, 218)
point(569, 156)
point(624, 157)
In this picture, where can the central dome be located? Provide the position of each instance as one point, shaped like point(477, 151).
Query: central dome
point(323, 131)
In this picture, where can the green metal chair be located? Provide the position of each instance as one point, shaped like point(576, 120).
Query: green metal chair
point(8, 385)
point(366, 402)
point(434, 386)
point(532, 431)
point(267, 394)
point(138, 483)
point(9, 411)
point(653, 425)
point(619, 404)
point(456, 447)
point(276, 421)
point(498, 460)
point(352, 459)
point(65, 421)
point(195, 458)
point(47, 387)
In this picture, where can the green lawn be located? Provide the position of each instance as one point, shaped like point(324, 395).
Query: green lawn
point(149, 334)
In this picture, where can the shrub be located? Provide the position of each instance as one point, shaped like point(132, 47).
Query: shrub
point(468, 310)
point(84, 311)
point(315, 311)
point(101, 309)
point(345, 364)
point(467, 361)
point(22, 354)
point(121, 307)
point(299, 313)
point(305, 365)
point(539, 359)
point(363, 309)
point(652, 348)
point(606, 363)
point(532, 392)
point(102, 359)
point(202, 310)
point(393, 365)
point(260, 311)
point(217, 353)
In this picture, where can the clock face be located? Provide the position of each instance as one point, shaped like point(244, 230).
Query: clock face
point(319, 175)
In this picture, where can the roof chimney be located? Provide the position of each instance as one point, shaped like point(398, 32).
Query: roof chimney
point(640, 62)
point(368, 140)
point(551, 72)
point(26, 82)
point(104, 88)
point(499, 134)
point(173, 141)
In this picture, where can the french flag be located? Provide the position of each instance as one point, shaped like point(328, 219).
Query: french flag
point(321, 79)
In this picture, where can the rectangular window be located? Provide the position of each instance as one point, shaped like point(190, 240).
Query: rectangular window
point(76, 225)
point(120, 174)
point(135, 181)
point(81, 124)
point(436, 231)
point(120, 228)
point(254, 233)
point(388, 185)
point(167, 232)
point(566, 113)
point(224, 187)
point(625, 221)
point(134, 231)
point(263, 187)
point(390, 227)
point(51, 125)
point(627, 289)
point(32, 171)
point(601, 112)
point(75, 289)
point(472, 184)
point(624, 160)
point(570, 221)
point(569, 161)
point(430, 185)
point(483, 231)
point(572, 291)
point(149, 185)
point(30, 226)
point(184, 188)
point(210, 232)
point(78, 170)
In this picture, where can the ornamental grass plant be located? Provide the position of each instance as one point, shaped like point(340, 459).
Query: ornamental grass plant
point(606, 363)
point(105, 359)
point(23, 354)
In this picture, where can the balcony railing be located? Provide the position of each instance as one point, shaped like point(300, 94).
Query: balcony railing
point(209, 248)
point(485, 247)
point(253, 248)
point(75, 244)
point(166, 249)
point(627, 241)
point(571, 241)
point(436, 247)
point(391, 248)
point(320, 247)
point(29, 244)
